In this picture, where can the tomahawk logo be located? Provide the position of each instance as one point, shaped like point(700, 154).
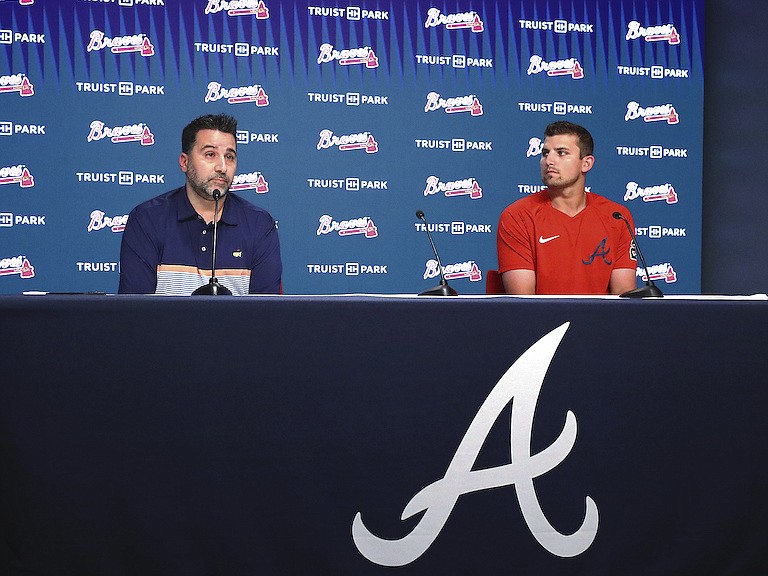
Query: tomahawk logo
point(521, 383)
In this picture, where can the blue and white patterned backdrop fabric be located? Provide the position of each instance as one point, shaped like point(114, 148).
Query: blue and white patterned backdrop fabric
point(351, 118)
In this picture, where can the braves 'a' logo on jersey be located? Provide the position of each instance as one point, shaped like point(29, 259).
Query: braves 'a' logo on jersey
point(601, 251)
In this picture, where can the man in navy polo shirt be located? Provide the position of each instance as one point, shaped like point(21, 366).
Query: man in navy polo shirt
point(167, 242)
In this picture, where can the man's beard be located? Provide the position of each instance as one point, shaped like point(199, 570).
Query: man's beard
point(557, 180)
point(202, 187)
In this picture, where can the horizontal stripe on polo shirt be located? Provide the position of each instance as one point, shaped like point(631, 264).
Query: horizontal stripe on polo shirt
point(178, 279)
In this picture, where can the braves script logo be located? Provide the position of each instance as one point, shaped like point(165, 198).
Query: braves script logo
point(453, 105)
point(250, 181)
point(16, 83)
point(17, 265)
point(665, 192)
point(466, 187)
point(665, 33)
point(521, 383)
point(662, 113)
point(535, 146)
point(16, 175)
point(239, 8)
point(569, 67)
point(464, 20)
point(239, 95)
point(660, 272)
point(121, 134)
point(360, 141)
point(353, 227)
point(348, 57)
point(99, 221)
point(468, 269)
point(121, 44)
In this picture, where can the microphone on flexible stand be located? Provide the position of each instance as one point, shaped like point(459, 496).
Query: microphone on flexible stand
point(442, 289)
point(650, 290)
point(213, 288)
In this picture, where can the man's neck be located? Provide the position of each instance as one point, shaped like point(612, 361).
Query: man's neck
point(569, 201)
point(205, 208)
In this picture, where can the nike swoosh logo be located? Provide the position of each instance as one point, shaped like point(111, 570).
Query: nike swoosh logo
point(543, 240)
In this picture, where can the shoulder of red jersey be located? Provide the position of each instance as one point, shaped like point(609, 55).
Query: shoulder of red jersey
point(531, 202)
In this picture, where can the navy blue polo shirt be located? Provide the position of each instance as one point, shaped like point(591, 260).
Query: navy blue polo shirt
point(166, 248)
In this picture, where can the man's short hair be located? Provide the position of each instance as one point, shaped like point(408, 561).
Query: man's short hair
point(220, 122)
point(584, 138)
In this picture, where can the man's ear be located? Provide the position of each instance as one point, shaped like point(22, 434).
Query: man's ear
point(183, 160)
point(586, 163)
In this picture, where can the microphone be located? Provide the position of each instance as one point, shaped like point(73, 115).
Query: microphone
point(442, 289)
point(213, 288)
point(650, 290)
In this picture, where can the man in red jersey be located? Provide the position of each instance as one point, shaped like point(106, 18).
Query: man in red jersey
point(563, 239)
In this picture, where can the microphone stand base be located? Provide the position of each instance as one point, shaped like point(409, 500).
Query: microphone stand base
point(648, 291)
point(440, 290)
point(213, 288)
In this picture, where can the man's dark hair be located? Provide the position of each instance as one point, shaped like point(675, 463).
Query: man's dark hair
point(220, 122)
point(584, 138)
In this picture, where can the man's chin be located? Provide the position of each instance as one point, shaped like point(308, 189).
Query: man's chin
point(556, 182)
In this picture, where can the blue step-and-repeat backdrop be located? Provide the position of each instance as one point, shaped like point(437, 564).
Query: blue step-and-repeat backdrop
point(352, 116)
